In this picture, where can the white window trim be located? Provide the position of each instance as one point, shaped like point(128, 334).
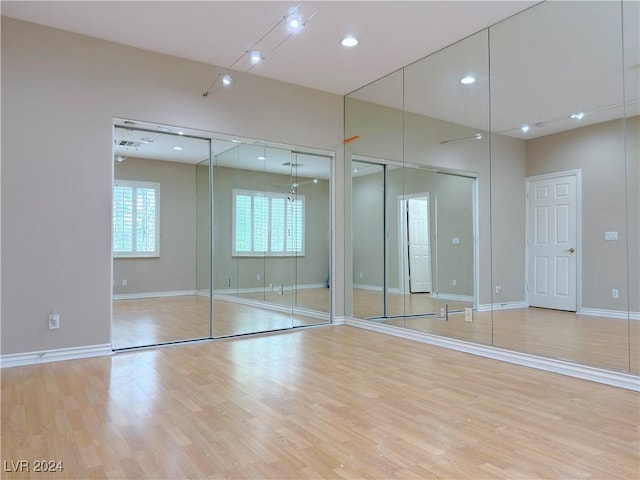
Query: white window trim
point(270, 195)
point(134, 254)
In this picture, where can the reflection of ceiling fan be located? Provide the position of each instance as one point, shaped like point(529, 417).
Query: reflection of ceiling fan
point(293, 186)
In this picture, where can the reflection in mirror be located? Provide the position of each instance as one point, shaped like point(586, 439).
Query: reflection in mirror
point(559, 169)
point(160, 243)
point(271, 252)
point(368, 180)
point(432, 131)
point(556, 176)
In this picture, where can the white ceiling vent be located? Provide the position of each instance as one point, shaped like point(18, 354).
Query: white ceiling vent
point(128, 143)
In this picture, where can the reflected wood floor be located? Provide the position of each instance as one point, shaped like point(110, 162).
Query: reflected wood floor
point(369, 303)
point(329, 402)
point(610, 343)
point(151, 321)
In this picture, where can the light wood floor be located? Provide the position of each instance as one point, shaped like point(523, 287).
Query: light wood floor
point(330, 402)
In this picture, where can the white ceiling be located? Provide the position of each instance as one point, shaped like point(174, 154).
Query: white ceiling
point(392, 33)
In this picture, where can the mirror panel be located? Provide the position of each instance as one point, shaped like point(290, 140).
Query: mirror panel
point(373, 132)
point(423, 193)
point(272, 250)
point(562, 89)
point(570, 165)
point(160, 241)
point(368, 180)
point(312, 270)
point(631, 59)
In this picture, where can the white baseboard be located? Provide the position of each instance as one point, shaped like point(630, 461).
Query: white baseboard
point(227, 297)
point(452, 297)
point(623, 314)
point(608, 377)
point(46, 356)
point(273, 289)
point(595, 312)
point(486, 307)
point(168, 293)
point(338, 321)
point(376, 288)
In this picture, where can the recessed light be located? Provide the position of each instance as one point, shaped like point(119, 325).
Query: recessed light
point(120, 158)
point(315, 180)
point(577, 115)
point(177, 147)
point(262, 158)
point(349, 41)
point(524, 128)
point(180, 133)
point(468, 80)
point(478, 136)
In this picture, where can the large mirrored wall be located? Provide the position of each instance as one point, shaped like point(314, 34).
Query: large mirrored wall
point(519, 145)
point(215, 237)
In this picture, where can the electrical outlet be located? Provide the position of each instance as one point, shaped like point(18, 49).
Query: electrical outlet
point(124, 282)
point(54, 321)
point(454, 283)
point(361, 275)
point(258, 277)
point(615, 293)
point(468, 315)
point(498, 288)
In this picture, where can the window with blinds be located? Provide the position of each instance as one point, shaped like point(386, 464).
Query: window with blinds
point(136, 219)
point(267, 223)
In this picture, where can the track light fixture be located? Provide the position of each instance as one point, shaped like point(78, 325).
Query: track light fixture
point(222, 80)
point(255, 57)
point(293, 21)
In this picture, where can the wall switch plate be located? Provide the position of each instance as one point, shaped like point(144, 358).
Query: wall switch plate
point(610, 236)
point(615, 293)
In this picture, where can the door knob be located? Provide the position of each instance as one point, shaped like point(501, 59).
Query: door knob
point(571, 250)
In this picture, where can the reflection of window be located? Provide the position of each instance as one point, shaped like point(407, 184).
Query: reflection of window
point(136, 219)
point(267, 223)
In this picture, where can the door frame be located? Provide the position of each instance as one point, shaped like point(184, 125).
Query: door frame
point(577, 173)
point(403, 232)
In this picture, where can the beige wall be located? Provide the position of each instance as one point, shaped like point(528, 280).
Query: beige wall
point(599, 152)
point(175, 268)
point(61, 92)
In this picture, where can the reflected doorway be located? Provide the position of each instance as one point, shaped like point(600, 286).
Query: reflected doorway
point(416, 235)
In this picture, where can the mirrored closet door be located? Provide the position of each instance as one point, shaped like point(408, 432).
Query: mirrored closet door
point(160, 237)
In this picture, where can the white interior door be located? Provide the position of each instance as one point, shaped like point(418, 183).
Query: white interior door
point(552, 240)
point(419, 245)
